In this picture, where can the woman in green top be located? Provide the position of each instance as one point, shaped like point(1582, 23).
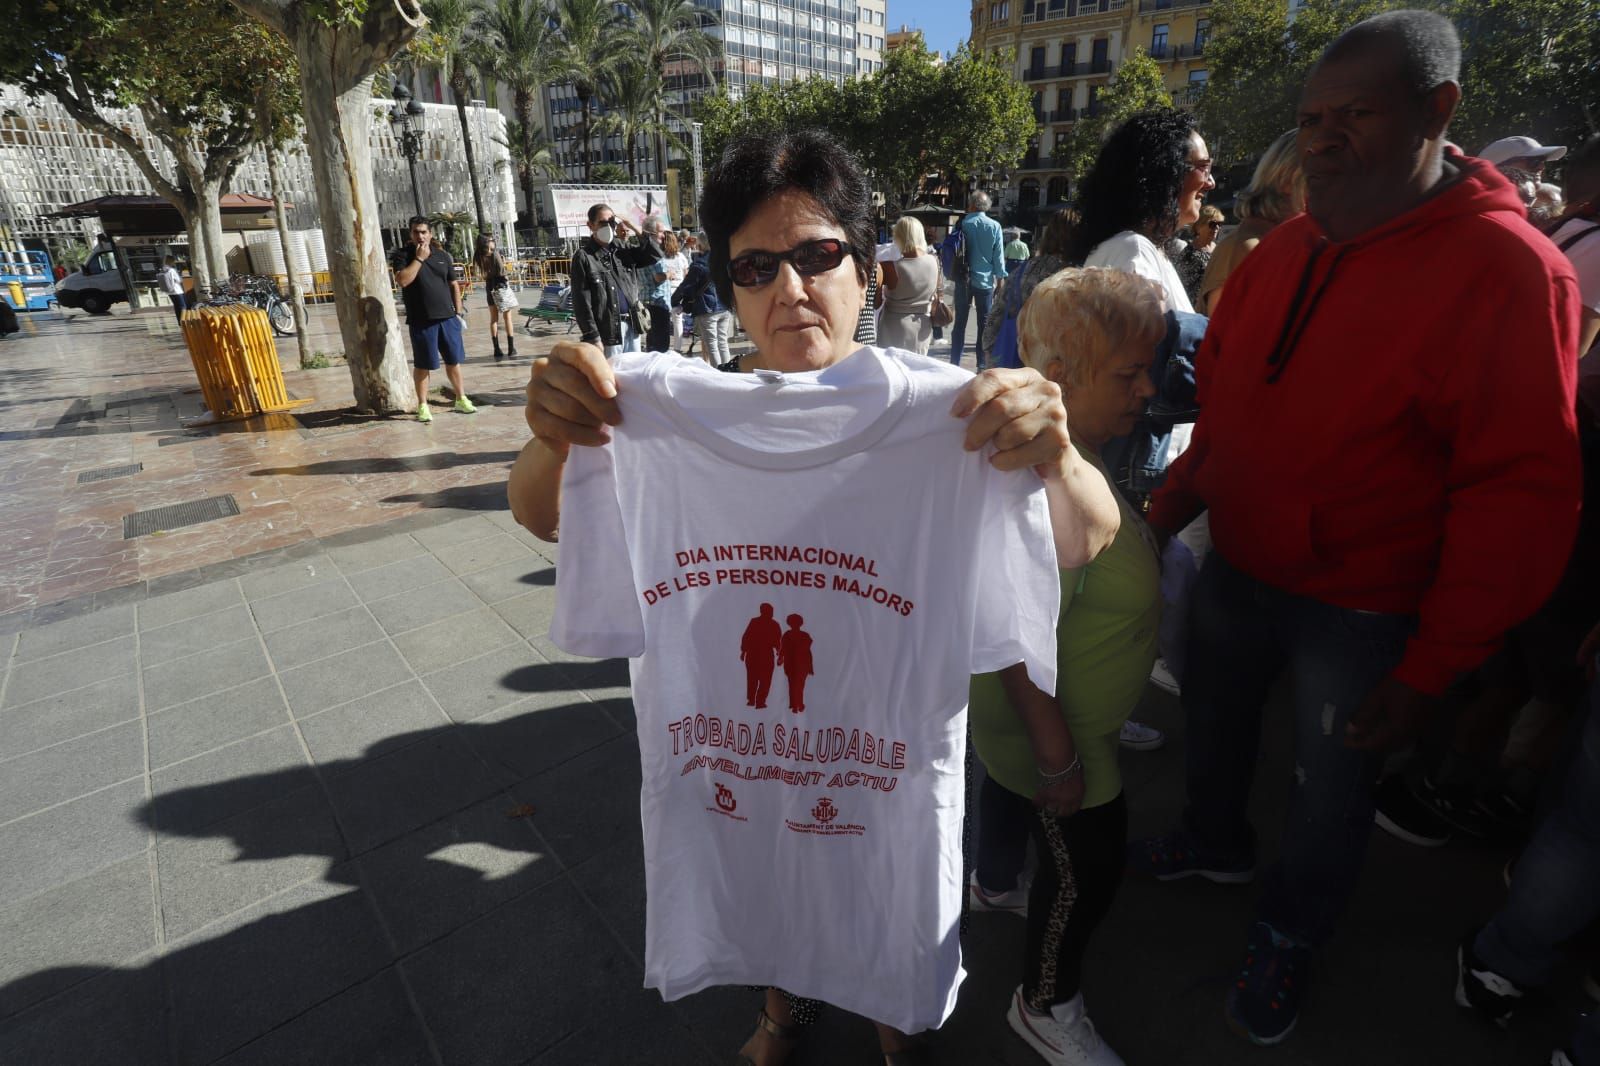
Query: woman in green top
point(1052, 761)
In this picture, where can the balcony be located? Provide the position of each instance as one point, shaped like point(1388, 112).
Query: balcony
point(1069, 70)
point(1030, 161)
point(1064, 114)
point(1038, 73)
point(1170, 5)
point(1191, 51)
point(1088, 8)
point(1159, 51)
point(1100, 66)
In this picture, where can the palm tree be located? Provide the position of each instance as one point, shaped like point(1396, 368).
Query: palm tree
point(532, 156)
point(449, 42)
point(630, 92)
point(592, 41)
point(667, 30)
point(515, 44)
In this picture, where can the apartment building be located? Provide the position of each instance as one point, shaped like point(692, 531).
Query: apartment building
point(1066, 52)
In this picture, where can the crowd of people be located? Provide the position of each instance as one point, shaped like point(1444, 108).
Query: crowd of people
point(1361, 472)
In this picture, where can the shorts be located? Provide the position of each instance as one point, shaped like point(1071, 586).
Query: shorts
point(442, 336)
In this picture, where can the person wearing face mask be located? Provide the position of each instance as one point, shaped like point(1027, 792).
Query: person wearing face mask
point(605, 285)
point(1391, 466)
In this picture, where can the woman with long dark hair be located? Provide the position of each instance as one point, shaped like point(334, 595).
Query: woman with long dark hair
point(492, 269)
point(1148, 182)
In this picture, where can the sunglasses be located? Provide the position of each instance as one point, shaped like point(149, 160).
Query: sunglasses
point(808, 258)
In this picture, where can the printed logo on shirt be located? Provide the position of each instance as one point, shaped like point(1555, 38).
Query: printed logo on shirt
point(726, 804)
point(824, 823)
point(766, 644)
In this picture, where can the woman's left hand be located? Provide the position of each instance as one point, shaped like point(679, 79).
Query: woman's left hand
point(1062, 799)
point(1022, 414)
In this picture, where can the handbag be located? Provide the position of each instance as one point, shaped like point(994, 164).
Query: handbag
point(939, 312)
point(505, 299)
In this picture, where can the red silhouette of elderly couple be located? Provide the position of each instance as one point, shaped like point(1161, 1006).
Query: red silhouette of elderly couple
point(765, 645)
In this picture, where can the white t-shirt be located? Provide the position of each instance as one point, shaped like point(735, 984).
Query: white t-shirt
point(1134, 253)
point(676, 267)
point(833, 519)
point(1584, 255)
point(171, 283)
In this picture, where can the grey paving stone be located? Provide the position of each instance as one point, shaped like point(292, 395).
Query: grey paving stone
point(447, 537)
point(539, 732)
point(71, 768)
point(354, 558)
point(491, 997)
point(644, 1029)
point(176, 606)
point(488, 551)
point(68, 714)
point(391, 793)
point(577, 819)
point(132, 593)
point(60, 611)
point(70, 670)
point(452, 640)
point(192, 635)
point(340, 737)
point(183, 680)
point(476, 687)
point(530, 613)
point(12, 623)
point(192, 795)
point(440, 877)
point(264, 583)
point(611, 880)
point(193, 728)
point(308, 641)
point(420, 607)
point(510, 579)
point(298, 949)
point(66, 842)
point(346, 676)
point(303, 605)
point(109, 1017)
point(398, 577)
point(93, 628)
point(370, 1024)
point(71, 932)
point(244, 859)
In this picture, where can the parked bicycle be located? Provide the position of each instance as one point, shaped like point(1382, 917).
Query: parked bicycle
point(259, 292)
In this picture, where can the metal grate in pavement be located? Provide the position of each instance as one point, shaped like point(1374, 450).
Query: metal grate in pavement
point(106, 473)
point(192, 513)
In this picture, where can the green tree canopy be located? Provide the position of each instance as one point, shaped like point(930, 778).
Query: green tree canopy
point(1138, 86)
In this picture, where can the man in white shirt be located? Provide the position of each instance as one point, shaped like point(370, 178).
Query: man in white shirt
point(1578, 234)
point(172, 285)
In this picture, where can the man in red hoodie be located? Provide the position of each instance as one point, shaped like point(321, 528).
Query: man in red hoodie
point(1388, 451)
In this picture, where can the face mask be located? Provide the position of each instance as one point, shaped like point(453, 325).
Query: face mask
point(604, 234)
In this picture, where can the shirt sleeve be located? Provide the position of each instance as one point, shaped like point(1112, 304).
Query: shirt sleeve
point(1019, 587)
point(597, 606)
point(401, 257)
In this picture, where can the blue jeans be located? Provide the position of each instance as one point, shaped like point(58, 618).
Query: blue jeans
point(1555, 887)
point(1242, 635)
point(966, 296)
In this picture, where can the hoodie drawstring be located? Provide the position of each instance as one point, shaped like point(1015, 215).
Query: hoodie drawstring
point(1294, 325)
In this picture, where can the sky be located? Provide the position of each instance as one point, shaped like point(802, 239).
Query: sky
point(944, 23)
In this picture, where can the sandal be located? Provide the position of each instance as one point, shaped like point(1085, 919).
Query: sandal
point(787, 1036)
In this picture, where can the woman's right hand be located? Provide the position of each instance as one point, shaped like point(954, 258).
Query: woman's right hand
point(572, 397)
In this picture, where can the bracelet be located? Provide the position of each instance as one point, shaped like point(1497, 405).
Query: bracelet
point(1073, 769)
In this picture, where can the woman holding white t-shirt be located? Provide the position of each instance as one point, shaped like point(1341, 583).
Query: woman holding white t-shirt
point(790, 228)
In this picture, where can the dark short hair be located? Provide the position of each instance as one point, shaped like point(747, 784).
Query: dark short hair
point(1135, 181)
point(595, 209)
point(1057, 236)
point(419, 220)
point(1426, 43)
point(756, 167)
point(1581, 171)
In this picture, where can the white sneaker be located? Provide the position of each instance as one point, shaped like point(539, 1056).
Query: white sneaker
point(1141, 737)
point(1162, 678)
point(1063, 1037)
point(1013, 902)
point(1560, 1058)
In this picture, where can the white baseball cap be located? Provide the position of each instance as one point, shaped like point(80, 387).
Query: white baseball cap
point(1508, 148)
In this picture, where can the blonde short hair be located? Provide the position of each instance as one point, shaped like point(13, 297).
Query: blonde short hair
point(909, 236)
point(1210, 214)
point(1086, 315)
point(1277, 189)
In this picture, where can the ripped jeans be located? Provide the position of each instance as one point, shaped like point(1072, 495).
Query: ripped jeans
point(1242, 635)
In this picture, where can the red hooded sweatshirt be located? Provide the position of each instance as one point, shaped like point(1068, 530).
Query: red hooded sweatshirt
point(1387, 423)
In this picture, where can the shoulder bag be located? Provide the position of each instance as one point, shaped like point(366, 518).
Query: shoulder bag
point(939, 312)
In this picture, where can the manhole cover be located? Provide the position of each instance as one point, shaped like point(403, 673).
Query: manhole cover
point(106, 473)
point(179, 514)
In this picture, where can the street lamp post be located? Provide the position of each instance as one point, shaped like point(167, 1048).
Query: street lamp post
point(406, 118)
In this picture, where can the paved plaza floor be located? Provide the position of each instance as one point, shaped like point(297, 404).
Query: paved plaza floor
point(339, 801)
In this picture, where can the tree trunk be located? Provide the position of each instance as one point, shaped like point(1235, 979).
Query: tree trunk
point(526, 175)
point(472, 163)
point(297, 296)
point(199, 261)
point(209, 214)
point(338, 112)
point(587, 164)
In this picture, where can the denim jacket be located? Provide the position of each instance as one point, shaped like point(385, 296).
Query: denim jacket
point(1138, 462)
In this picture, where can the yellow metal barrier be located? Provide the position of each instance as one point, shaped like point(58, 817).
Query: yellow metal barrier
point(236, 360)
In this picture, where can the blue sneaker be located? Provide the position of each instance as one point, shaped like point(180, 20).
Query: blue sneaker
point(1264, 1003)
point(1178, 855)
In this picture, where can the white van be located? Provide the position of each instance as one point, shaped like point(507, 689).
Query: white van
point(95, 287)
